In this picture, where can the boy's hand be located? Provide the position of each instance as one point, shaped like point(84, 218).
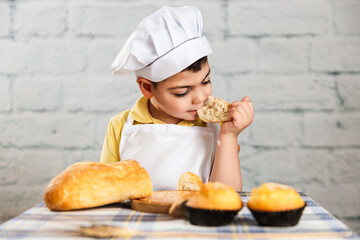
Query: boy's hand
point(241, 114)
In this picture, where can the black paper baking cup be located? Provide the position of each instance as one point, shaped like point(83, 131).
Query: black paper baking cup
point(278, 218)
point(207, 217)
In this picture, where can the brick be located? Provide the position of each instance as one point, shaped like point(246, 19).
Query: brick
point(324, 173)
point(280, 17)
point(5, 20)
point(246, 149)
point(109, 19)
point(345, 166)
point(332, 197)
point(79, 155)
point(283, 166)
point(335, 55)
point(4, 139)
point(105, 20)
point(9, 199)
point(277, 92)
point(45, 94)
point(213, 18)
point(276, 130)
point(332, 129)
point(220, 84)
point(213, 14)
point(30, 199)
point(233, 55)
point(282, 56)
point(346, 15)
point(19, 198)
point(49, 130)
point(15, 57)
point(100, 56)
point(40, 18)
point(349, 90)
point(45, 164)
point(5, 93)
point(57, 58)
point(8, 168)
point(41, 58)
point(101, 95)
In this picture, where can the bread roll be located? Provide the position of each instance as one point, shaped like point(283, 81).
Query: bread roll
point(92, 184)
point(274, 197)
point(216, 110)
point(189, 182)
point(215, 196)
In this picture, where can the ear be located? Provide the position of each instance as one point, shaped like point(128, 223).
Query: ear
point(146, 87)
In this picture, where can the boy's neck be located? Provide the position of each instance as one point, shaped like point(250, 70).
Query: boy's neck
point(157, 113)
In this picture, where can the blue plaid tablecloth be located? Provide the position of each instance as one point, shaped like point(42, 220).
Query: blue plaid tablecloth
point(39, 222)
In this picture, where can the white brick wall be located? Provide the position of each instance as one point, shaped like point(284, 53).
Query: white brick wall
point(298, 60)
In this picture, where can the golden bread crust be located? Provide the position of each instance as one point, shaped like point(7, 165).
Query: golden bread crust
point(216, 196)
point(216, 110)
point(274, 197)
point(189, 181)
point(92, 184)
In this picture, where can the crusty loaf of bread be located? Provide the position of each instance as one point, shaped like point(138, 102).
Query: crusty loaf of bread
point(92, 184)
point(216, 110)
point(189, 182)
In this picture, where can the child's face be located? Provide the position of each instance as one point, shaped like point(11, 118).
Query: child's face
point(178, 97)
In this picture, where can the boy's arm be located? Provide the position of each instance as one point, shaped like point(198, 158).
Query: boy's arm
point(226, 167)
point(110, 148)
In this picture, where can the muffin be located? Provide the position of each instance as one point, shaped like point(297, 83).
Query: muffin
point(189, 182)
point(275, 204)
point(214, 205)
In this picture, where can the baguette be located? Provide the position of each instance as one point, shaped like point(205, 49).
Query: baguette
point(93, 184)
point(216, 110)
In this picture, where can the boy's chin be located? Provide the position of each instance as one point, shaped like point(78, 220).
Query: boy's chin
point(192, 118)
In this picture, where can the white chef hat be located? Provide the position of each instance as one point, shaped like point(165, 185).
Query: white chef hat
point(165, 43)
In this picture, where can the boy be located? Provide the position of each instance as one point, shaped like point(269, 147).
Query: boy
point(168, 54)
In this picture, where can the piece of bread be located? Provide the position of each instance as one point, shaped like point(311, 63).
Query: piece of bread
point(189, 181)
point(92, 184)
point(177, 209)
point(215, 196)
point(274, 197)
point(158, 202)
point(216, 110)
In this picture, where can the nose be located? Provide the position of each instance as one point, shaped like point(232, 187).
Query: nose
point(199, 98)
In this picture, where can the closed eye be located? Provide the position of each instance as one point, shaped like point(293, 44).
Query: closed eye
point(182, 94)
point(206, 82)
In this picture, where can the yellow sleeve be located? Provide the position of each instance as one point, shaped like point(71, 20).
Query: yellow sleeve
point(110, 149)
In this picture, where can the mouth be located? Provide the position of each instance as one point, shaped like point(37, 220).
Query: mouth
point(193, 111)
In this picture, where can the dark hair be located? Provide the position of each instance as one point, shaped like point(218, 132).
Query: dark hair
point(195, 67)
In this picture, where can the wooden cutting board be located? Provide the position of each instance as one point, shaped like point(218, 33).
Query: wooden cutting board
point(158, 202)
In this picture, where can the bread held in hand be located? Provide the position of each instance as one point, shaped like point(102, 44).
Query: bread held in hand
point(216, 110)
point(93, 184)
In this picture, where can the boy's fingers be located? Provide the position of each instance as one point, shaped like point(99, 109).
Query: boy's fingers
point(245, 99)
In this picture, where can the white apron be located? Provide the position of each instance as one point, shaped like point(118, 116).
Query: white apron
point(168, 150)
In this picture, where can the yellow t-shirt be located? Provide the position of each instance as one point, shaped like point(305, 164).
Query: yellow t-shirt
point(141, 115)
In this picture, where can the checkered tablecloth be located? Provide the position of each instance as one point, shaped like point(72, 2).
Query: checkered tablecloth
point(40, 222)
